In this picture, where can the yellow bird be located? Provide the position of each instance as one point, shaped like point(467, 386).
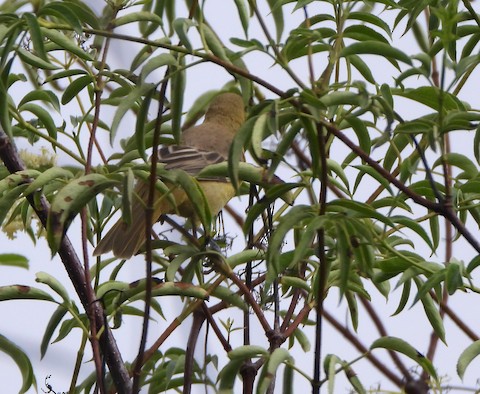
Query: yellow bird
point(202, 145)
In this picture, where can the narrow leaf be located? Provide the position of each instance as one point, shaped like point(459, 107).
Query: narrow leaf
point(399, 345)
point(375, 48)
point(467, 356)
point(68, 202)
point(21, 359)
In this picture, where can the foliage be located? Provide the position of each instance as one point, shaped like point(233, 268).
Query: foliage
point(383, 190)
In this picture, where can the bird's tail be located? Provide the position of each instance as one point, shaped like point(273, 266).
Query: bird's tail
point(122, 239)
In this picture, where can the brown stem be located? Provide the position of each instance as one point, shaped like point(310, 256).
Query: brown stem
point(215, 259)
point(75, 271)
point(97, 357)
point(459, 322)
point(148, 239)
point(301, 316)
point(352, 338)
point(441, 209)
point(324, 266)
point(198, 320)
point(212, 322)
point(383, 332)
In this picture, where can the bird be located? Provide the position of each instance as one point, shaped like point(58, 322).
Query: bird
point(200, 145)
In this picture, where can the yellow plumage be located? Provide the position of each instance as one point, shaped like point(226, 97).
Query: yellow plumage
point(200, 146)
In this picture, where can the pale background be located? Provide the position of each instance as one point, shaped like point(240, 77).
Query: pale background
point(24, 321)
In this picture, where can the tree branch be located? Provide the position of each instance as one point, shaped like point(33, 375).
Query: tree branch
point(74, 268)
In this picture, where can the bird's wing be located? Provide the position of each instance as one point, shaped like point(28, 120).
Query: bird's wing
point(188, 159)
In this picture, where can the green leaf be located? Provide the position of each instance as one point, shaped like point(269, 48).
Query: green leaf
point(35, 61)
point(433, 281)
point(308, 233)
point(361, 131)
point(19, 178)
point(246, 256)
point(130, 101)
point(231, 297)
point(20, 292)
point(75, 87)
point(404, 297)
point(272, 193)
point(461, 161)
point(287, 222)
point(399, 345)
point(35, 35)
point(366, 169)
point(358, 209)
point(44, 117)
point(13, 260)
point(195, 194)
point(243, 14)
point(467, 356)
point(139, 16)
point(54, 284)
point(259, 130)
point(362, 67)
point(269, 370)
point(343, 98)
point(177, 87)
point(375, 48)
point(363, 33)
point(156, 62)
point(433, 315)
point(21, 359)
point(434, 225)
point(213, 43)
point(476, 144)
point(344, 259)
point(70, 12)
point(371, 19)
point(329, 366)
point(181, 27)
point(141, 124)
point(8, 200)
point(47, 176)
point(398, 144)
point(430, 96)
point(5, 119)
point(228, 375)
point(453, 278)
point(69, 201)
point(66, 43)
point(288, 381)
point(471, 186)
point(53, 323)
point(277, 13)
point(302, 339)
point(240, 141)
point(414, 226)
point(247, 351)
point(46, 96)
point(292, 281)
point(391, 202)
point(352, 308)
point(64, 74)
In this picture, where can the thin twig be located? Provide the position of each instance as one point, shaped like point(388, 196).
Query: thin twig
point(353, 339)
point(383, 332)
point(321, 276)
point(148, 241)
